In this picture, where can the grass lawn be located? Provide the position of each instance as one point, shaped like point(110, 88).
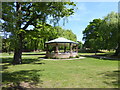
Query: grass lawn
point(80, 73)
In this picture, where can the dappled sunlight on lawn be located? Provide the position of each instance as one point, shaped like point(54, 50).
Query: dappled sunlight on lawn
point(112, 76)
point(88, 72)
point(15, 79)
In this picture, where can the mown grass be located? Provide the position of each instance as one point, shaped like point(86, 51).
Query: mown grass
point(80, 73)
point(23, 54)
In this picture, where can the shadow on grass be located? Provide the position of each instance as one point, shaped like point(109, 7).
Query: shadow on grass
point(102, 57)
point(8, 61)
point(89, 51)
point(24, 61)
point(114, 76)
point(21, 79)
point(5, 66)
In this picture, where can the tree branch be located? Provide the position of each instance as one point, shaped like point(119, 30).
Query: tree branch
point(30, 21)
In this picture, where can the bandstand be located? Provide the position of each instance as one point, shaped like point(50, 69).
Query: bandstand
point(69, 48)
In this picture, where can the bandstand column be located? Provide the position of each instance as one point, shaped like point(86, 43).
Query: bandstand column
point(46, 49)
point(56, 48)
point(71, 51)
point(64, 48)
point(77, 48)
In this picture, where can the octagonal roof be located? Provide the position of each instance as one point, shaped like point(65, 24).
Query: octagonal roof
point(61, 40)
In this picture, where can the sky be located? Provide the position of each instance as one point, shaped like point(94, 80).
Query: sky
point(86, 12)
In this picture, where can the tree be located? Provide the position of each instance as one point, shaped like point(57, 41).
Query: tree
point(0, 43)
point(104, 34)
point(110, 32)
point(69, 35)
point(35, 39)
point(65, 33)
point(18, 16)
point(80, 45)
point(91, 35)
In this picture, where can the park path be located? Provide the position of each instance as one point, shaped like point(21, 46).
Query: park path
point(101, 57)
point(62, 59)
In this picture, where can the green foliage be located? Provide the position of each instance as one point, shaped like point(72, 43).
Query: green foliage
point(17, 16)
point(35, 39)
point(109, 30)
point(65, 33)
point(0, 43)
point(7, 45)
point(80, 45)
point(24, 14)
point(92, 36)
point(103, 34)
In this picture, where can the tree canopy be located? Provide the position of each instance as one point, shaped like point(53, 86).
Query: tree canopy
point(18, 16)
point(92, 36)
point(36, 40)
point(110, 31)
point(103, 34)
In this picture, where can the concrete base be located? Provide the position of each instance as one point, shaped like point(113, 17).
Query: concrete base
point(61, 55)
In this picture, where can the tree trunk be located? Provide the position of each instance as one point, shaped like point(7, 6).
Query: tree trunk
point(117, 52)
point(17, 57)
point(18, 43)
point(95, 53)
point(18, 51)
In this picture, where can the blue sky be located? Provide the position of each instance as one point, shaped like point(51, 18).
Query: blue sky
point(86, 12)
